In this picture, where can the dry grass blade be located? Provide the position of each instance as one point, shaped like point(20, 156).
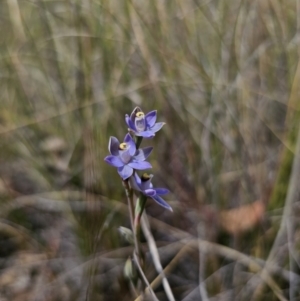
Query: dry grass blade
point(149, 288)
point(155, 257)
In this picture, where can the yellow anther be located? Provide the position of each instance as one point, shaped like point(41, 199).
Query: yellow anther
point(139, 114)
point(145, 177)
point(123, 146)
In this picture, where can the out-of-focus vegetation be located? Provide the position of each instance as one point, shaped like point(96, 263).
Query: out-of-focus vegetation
point(223, 75)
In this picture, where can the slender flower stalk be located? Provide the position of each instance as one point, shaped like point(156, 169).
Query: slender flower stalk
point(138, 141)
point(129, 195)
point(139, 209)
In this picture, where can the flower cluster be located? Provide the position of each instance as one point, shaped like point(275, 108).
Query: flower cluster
point(128, 158)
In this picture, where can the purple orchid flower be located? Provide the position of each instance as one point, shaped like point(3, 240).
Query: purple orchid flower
point(126, 157)
point(144, 185)
point(143, 125)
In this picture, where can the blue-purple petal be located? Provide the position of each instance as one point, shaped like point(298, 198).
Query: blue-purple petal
point(161, 202)
point(142, 154)
point(125, 172)
point(133, 114)
point(127, 138)
point(146, 134)
point(127, 120)
point(113, 146)
point(151, 118)
point(135, 182)
point(114, 161)
point(137, 179)
point(130, 123)
point(132, 147)
point(157, 126)
point(161, 191)
point(150, 192)
point(140, 165)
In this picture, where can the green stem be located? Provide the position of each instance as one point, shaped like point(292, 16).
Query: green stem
point(138, 141)
point(135, 230)
point(139, 209)
point(129, 196)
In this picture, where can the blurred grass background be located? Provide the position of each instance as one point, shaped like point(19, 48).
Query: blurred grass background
point(223, 75)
